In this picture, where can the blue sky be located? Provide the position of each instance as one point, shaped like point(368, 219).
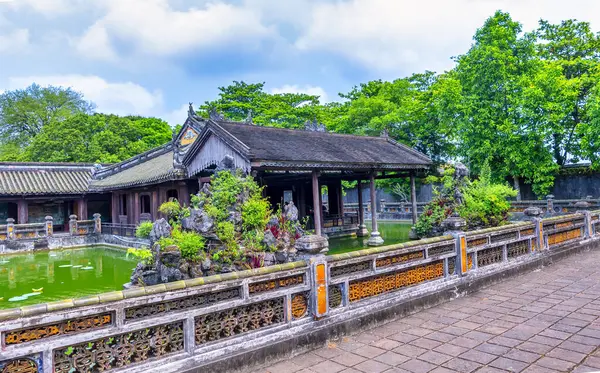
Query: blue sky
point(151, 57)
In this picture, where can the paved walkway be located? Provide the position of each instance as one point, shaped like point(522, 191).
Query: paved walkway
point(543, 321)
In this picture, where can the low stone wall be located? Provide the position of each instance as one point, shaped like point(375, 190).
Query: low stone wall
point(65, 241)
point(225, 322)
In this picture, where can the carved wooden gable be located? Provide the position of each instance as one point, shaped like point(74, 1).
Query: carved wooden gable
point(214, 152)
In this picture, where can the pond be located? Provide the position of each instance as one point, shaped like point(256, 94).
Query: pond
point(47, 276)
point(391, 231)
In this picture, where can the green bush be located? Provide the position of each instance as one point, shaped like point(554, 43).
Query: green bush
point(143, 230)
point(174, 211)
point(485, 204)
point(143, 255)
point(190, 244)
point(255, 213)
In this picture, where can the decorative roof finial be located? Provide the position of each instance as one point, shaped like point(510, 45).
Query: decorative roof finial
point(314, 126)
point(191, 111)
point(248, 119)
point(385, 133)
point(215, 115)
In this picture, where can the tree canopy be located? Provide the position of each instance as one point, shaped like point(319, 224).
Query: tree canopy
point(55, 124)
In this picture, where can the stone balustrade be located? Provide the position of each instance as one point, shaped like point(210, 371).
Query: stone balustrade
point(33, 231)
point(211, 321)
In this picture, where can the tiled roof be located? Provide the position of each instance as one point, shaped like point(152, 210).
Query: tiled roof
point(284, 145)
point(41, 179)
point(149, 171)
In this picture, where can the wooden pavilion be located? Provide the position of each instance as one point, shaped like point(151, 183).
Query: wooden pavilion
point(293, 165)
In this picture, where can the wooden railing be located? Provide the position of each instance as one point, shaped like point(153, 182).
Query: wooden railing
point(172, 326)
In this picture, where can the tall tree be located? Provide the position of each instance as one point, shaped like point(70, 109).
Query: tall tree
point(495, 74)
point(24, 112)
point(240, 101)
point(572, 47)
point(97, 138)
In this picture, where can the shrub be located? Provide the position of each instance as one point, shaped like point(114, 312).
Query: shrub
point(143, 255)
point(143, 230)
point(485, 204)
point(255, 213)
point(190, 244)
point(174, 211)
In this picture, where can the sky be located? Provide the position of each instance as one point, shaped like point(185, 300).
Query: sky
point(152, 57)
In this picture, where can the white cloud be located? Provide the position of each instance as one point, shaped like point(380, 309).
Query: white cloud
point(154, 27)
point(49, 8)
point(307, 89)
point(123, 98)
point(15, 41)
point(389, 35)
point(95, 44)
point(177, 116)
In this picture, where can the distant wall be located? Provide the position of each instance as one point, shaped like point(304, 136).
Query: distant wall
point(569, 187)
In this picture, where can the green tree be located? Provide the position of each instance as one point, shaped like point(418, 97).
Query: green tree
point(97, 138)
point(240, 100)
point(25, 112)
point(498, 77)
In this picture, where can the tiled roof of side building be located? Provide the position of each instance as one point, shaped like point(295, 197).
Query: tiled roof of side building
point(44, 178)
point(153, 170)
point(278, 144)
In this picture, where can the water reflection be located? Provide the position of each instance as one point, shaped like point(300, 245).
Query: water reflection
point(60, 275)
point(391, 231)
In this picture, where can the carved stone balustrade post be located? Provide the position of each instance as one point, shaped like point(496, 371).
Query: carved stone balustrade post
point(10, 228)
point(49, 226)
point(97, 223)
point(73, 225)
point(455, 225)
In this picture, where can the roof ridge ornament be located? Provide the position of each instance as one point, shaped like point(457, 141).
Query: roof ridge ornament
point(314, 126)
point(191, 111)
point(385, 133)
point(215, 115)
point(248, 119)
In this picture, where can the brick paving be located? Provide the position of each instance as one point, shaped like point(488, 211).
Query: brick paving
point(543, 321)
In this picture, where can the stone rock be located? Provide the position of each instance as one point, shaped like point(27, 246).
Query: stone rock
point(196, 270)
point(269, 240)
point(291, 212)
point(226, 164)
point(235, 217)
point(150, 278)
point(160, 228)
point(206, 264)
point(170, 259)
point(454, 223)
point(281, 256)
point(412, 235)
point(169, 274)
point(312, 244)
point(269, 259)
point(200, 222)
point(273, 222)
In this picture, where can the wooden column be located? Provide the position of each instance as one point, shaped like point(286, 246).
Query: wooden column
point(373, 204)
point(155, 204)
point(413, 197)
point(375, 238)
point(114, 208)
point(82, 209)
point(22, 212)
point(184, 195)
point(136, 208)
point(361, 212)
point(316, 202)
point(340, 193)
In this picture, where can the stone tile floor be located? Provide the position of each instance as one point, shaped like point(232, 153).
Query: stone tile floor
point(543, 321)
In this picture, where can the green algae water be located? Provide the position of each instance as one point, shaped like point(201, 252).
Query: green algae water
point(48, 276)
point(391, 231)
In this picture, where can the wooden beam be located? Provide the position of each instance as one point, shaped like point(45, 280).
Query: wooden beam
point(373, 204)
